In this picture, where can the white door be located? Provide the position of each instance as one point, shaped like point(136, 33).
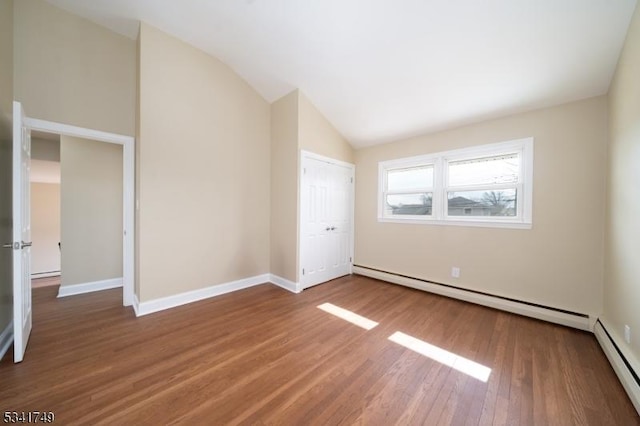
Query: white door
point(21, 234)
point(326, 219)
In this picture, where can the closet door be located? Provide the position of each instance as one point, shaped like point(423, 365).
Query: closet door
point(326, 223)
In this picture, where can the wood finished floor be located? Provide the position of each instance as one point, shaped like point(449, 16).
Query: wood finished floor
point(45, 282)
point(266, 356)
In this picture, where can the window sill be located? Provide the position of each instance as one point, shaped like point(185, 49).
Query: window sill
point(471, 223)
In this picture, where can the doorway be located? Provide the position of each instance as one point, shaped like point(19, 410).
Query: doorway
point(21, 220)
point(326, 219)
point(45, 209)
point(83, 216)
point(127, 192)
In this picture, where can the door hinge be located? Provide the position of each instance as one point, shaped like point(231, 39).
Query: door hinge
point(302, 271)
point(304, 171)
point(351, 180)
point(350, 260)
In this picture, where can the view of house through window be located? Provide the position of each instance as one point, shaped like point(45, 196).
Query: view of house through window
point(489, 183)
point(484, 186)
point(409, 191)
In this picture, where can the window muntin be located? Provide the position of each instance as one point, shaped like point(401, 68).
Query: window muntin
point(488, 185)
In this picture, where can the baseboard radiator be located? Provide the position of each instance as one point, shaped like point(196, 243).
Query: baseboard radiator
point(547, 313)
point(624, 370)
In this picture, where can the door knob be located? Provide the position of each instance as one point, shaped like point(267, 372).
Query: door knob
point(8, 245)
point(327, 229)
point(333, 228)
point(23, 244)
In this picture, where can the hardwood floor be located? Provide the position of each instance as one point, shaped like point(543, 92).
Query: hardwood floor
point(45, 282)
point(266, 356)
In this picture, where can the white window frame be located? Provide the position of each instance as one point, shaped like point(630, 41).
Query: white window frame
point(401, 165)
point(440, 162)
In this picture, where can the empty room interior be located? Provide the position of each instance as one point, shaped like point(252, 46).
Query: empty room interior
point(320, 212)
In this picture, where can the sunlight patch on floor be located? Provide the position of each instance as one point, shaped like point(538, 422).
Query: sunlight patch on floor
point(347, 315)
point(464, 365)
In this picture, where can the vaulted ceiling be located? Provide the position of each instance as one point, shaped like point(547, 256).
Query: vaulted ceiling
point(382, 70)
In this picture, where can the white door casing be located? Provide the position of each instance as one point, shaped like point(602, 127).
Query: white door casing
point(128, 195)
point(22, 312)
point(326, 219)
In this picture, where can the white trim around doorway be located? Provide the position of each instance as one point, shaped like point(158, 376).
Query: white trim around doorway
point(128, 190)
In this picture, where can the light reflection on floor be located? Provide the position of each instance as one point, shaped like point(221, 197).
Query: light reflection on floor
point(464, 365)
point(457, 362)
point(347, 315)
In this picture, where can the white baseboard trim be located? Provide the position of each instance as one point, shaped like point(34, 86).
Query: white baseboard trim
point(550, 315)
point(145, 308)
point(72, 290)
point(285, 283)
point(623, 371)
point(136, 305)
point(37, 275)
point(6, 339)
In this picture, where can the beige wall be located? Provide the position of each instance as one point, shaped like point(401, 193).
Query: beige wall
point(317, 134)
point(70, 70)
point(6, 233)
point(296, 124)
point(91, 210)
point(558, 263)
point(6, 69)
point(45, 149)
point(45, 227)
point(204, 172)
point(6, 98)
point(136, 263)
point(622, 268)
point(284, 187)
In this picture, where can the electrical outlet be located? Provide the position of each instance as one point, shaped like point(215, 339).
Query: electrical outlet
point(627, 333)
point(455, 272)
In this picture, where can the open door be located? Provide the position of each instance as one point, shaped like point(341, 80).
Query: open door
point(21, 234)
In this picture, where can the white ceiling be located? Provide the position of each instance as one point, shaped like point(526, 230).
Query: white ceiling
point(382, 70)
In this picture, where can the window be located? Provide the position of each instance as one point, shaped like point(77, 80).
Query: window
point(488, 185)
point(409, 191)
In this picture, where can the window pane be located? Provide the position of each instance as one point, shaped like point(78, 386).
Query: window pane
point(482, 171)
point(410, 179)
point(482, 203)
point(409, 204)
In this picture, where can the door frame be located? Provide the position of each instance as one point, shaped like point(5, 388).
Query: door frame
point(304, 157)
point(128, 189)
